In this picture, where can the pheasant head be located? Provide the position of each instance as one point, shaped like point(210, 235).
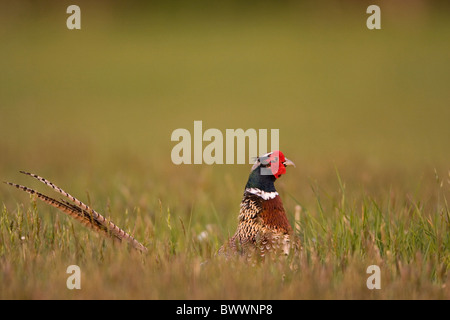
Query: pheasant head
point(266, 170)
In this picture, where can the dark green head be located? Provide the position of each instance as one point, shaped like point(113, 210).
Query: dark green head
point(266, 170)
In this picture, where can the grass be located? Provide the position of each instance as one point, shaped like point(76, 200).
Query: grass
point(364, 115)
point(340, 237)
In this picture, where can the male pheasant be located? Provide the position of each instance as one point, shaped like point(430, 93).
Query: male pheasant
point(263, 226)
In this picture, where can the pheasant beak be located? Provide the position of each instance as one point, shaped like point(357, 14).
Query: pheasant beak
point(288, 162)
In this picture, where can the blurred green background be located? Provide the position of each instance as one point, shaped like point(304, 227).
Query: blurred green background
point(95, 108)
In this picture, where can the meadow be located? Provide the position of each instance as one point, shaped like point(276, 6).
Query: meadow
point(363, 114)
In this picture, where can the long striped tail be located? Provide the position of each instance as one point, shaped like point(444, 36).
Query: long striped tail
point(81, 212)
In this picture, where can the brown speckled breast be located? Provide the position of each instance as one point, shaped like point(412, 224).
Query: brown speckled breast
point(263, 228)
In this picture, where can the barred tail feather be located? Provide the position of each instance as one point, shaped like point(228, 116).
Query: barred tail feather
point(81, 212)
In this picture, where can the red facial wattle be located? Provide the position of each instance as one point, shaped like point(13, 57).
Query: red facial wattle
point(276, 163)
